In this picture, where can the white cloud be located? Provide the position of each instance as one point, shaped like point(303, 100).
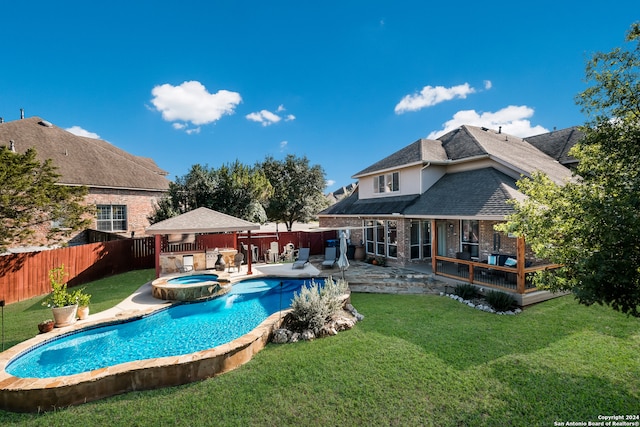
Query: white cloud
point(330, 182)
point(283, 145)
point(513, 120)
point(179, 126)
point(266, 117)
point(77, 130)
point(487, 84)
point(430, 96)
point(193, 130)
point(191, 102)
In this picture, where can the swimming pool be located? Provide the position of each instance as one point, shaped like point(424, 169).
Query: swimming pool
point(193, 278)
point(189, 287)
point(177, 330)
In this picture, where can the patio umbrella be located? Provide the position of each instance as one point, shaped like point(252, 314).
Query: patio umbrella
point(343, 261)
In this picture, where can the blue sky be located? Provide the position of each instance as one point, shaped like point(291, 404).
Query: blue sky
point(344, 83)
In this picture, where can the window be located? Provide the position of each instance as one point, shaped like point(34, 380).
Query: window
point(112, 217)
point(381, 238)
point(469, 238)
point(370, 241)
point(387, 183)
point(392, 234)
point(420, 239)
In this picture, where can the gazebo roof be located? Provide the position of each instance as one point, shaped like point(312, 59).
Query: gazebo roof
point(201, 220)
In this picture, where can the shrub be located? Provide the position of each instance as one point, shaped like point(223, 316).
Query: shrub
point(465, 291)
point(314, 304)
point(500, 301)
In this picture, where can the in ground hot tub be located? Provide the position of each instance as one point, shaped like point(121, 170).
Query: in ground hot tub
point(189, 287)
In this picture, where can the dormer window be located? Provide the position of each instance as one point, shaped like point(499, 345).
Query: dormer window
point(387, 183)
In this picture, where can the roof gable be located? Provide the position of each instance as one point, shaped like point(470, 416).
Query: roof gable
point(469, 143)
point(83, 161)
point(480, 193)
point(201, 220)
point(420, 151)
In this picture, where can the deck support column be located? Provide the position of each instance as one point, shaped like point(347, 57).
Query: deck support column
point(434, 246)
point(249, 255)
point(158, 247)
point(521, 260)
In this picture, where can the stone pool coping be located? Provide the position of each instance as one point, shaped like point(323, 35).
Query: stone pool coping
point(46, 394)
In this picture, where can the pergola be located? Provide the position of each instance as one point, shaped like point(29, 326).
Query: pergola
point(202, 221)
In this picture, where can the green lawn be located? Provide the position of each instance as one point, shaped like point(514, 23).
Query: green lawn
point(414, 360)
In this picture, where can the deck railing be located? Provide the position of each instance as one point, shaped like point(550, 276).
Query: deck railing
point(512, 279)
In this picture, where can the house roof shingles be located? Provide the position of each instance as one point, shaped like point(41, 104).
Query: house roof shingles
point(476, 193)
point(83, 161)
point(422, 150)
point(482, 192)
point(201, 220)
point(558, 143)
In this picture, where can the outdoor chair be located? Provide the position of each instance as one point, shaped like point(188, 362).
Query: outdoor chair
point(237, 262)
point(289, 252)
point(330, 255)
point(465, 256)
point(302, 258)
point(273, 253)
point(183, 268)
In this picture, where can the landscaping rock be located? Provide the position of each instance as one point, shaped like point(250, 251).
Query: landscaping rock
point(281, 336)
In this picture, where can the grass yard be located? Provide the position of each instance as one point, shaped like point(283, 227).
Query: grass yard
point(414, 360)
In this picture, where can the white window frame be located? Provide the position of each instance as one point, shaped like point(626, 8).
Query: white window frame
point(387, 183)
point(423, 243)
point(381, 237)
point(110, 218)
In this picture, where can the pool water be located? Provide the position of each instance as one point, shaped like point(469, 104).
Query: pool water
point(177, 330)
point(195, 278)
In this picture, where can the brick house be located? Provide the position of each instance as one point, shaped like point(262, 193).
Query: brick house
point(123, 188)
point(437, 201)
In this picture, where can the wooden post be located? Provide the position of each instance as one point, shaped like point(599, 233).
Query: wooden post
point(249, 256)
point(158, 246)
point(434, 246)
point(520, 257)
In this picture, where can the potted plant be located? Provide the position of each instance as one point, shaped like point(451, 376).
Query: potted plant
point(82, 300)
point(45, 326)
point(62, 302)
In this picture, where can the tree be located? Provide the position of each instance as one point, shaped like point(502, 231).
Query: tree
point(591, 224)
point(31, 199)
point(234, 189)
point(297, 190)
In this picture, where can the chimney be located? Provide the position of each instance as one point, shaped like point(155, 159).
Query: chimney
point(21, 113)
point(499, 129)
point(12, 146)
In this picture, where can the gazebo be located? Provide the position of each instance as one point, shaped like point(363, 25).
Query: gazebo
point(199, 221)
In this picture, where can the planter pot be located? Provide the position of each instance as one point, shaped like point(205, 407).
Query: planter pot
point(44, 327)
point(83, 312)
point(65, 316)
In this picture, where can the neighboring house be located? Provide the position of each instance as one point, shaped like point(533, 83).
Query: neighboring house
point(123, 188)
point(441, 198)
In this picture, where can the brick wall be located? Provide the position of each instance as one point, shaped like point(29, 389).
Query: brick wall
point(140, 204)
point(355, 225)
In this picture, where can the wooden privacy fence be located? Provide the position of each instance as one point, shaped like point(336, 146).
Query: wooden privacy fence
point(314, 240)
point(26, 275)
